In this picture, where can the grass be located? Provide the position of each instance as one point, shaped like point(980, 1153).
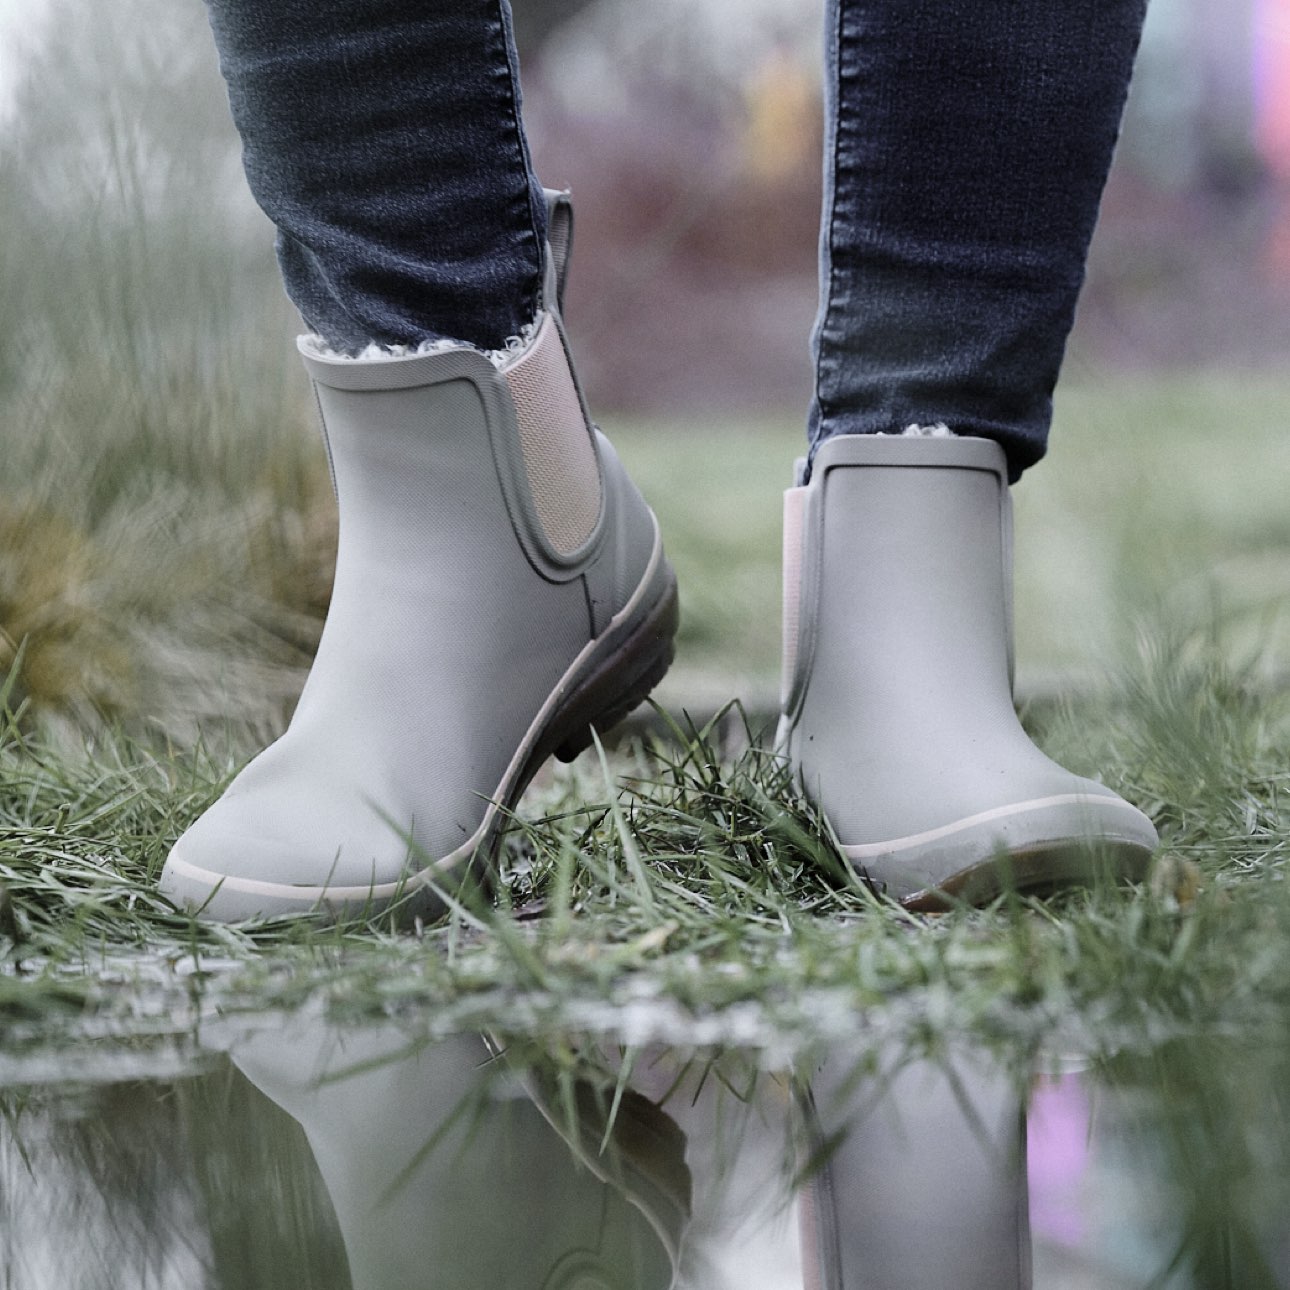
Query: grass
point(697, 891)
point(692, 903)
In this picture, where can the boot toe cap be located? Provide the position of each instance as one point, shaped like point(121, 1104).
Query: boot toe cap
point(227, 870)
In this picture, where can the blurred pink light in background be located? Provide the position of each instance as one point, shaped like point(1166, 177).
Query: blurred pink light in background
point(1272, 127)
point(1057, 1159)
point(1272, 82)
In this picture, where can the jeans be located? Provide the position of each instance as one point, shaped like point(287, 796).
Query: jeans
point(967, 145)
point(383, 138)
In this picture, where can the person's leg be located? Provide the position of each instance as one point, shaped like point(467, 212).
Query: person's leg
point(968, 145)
point(969, 142)
point(384, 141)
point(501, 588)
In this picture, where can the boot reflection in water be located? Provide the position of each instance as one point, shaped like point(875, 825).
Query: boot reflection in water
point(447, 1170)
point(916, 1179)
point(501, 587)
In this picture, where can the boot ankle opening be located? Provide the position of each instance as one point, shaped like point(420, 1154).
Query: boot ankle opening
point(316, 346)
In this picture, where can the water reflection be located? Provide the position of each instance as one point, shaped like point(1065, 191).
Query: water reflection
point(308, 1155)
point(449, 1166)
point(921, 1179)
point(1168, 1169)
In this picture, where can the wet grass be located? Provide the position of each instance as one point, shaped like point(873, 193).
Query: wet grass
point(683, 892)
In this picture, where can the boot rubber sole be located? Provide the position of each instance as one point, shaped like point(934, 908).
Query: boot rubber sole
point(610, 676)
point(1048, 843)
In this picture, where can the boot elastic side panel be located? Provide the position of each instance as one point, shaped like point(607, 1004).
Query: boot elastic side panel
point(559, 455)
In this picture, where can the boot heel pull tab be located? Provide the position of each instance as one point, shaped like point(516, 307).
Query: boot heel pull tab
point(794, 538)
point(559, 237)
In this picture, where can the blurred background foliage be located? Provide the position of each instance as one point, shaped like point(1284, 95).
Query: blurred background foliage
point(693, 143)
point(166, 524)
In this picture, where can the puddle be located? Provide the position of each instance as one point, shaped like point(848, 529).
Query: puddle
point(293, 1152)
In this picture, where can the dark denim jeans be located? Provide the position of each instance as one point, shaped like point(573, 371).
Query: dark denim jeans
point(383, 138)
point(967, 144)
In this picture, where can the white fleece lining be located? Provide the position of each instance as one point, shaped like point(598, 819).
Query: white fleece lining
point(316, 347)
point(938, 430)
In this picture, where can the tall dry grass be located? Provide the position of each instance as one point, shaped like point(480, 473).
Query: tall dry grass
point(165, 518)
